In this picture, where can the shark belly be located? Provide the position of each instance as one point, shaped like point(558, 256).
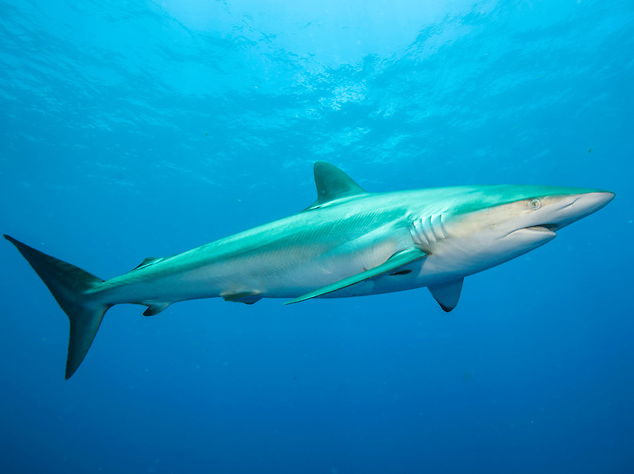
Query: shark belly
point(280, 269)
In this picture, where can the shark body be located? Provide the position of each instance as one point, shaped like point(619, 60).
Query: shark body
point(347, 243)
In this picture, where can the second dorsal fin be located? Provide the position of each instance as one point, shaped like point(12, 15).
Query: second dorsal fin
point(148, 261)
point(333, 184)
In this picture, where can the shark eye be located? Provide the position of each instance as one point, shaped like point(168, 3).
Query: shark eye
point(536, 204)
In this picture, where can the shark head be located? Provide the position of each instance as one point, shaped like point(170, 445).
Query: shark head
point(490, 225)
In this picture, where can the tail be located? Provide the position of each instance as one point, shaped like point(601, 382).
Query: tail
point(69, 286)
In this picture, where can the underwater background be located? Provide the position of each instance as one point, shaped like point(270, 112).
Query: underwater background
point(133, 129)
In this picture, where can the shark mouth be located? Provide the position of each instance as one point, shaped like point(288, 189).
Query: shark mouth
point(546, 228)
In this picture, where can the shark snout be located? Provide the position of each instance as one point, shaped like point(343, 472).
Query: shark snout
point(581, 205)
point(591, 202)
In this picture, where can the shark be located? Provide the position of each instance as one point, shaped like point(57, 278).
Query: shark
point(348, 243)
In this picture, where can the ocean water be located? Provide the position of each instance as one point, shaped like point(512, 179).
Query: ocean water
point(133, 129)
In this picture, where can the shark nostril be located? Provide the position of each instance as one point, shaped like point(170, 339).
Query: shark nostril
point(569, 204)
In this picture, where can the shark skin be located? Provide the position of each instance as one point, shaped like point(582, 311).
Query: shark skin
point(347, 243)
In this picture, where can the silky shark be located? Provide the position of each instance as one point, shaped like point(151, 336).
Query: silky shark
point(349, 242)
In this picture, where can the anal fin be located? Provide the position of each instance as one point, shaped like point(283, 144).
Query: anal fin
point(155, 308)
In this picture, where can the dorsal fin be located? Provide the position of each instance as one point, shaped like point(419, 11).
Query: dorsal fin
point(333, 184)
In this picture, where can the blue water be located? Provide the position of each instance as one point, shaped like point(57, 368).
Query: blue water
point(133, 129)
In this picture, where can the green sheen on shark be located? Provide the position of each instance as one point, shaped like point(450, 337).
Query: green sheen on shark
point(347, 243)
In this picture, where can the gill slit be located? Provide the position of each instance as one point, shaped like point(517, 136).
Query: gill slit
point(442, 226)
point(435, 226)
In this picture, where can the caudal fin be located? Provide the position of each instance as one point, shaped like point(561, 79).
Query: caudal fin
point(69, 285)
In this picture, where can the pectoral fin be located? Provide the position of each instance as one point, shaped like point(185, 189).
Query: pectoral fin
point(447, 294)
point(395, 261)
